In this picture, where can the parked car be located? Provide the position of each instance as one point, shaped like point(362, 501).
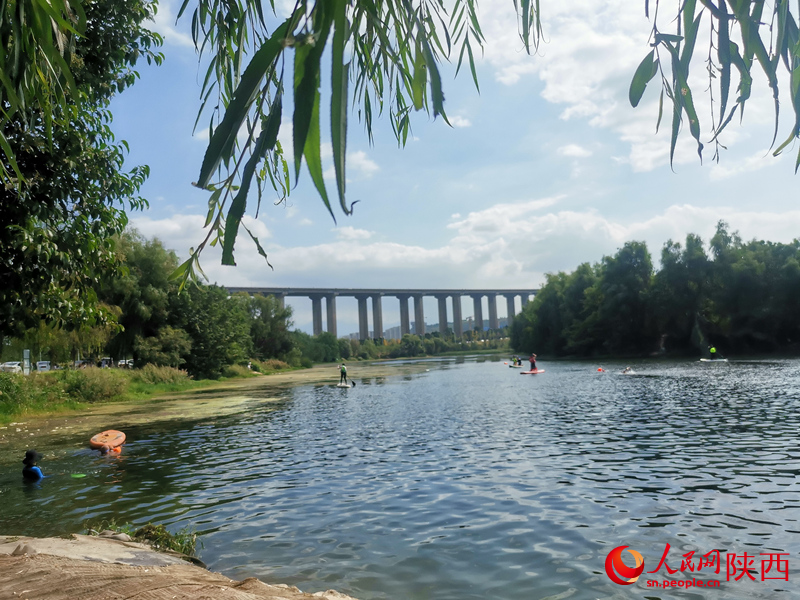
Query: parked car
point(12, 367)
point(43, 365)
point(125, 363)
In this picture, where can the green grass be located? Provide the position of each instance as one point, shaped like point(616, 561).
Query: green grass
point(156, 536)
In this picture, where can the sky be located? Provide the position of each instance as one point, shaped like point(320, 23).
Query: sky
point(547, 167)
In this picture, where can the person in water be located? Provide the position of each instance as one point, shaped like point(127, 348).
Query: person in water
point(31, 471)
point(532, 360)
point(627, 370)
point(343, 373)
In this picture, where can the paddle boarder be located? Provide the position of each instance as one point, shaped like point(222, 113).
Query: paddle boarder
point(31, 472)
point(532, 360)
point(343, 373)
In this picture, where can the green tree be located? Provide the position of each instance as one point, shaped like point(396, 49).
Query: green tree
point(168, 348)
point(59, 225)
point(269, 328)
point(142, 292)
point(219, 328)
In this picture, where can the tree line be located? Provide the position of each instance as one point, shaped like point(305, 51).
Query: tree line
point(738, 296)
point(202, 328)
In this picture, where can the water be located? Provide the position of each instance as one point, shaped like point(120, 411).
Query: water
point(467, 481)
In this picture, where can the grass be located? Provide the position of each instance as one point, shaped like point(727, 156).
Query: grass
point(156, 536)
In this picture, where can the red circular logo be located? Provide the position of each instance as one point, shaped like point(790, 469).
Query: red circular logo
point(614, 565)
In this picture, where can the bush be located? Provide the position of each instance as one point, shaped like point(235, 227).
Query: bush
point(237, 371)
point(93, 384)
point(270, 366)
point(153, 375)
point(157, 536)
point(19, 393)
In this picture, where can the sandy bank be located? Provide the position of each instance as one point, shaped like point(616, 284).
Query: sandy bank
point(106, 569)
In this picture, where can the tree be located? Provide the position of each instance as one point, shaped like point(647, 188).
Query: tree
point(269, 328)
point(142, 292)
point(60, 217)
point(219, 328)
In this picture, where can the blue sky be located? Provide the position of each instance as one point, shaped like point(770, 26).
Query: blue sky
point(547, 167)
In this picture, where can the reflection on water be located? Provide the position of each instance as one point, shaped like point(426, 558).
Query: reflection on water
point(461, 482)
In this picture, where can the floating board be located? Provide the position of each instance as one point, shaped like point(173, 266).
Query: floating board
point(515, 366)
point(111, 439)
point(342, 385)
point(713, 360)
point(536, 372)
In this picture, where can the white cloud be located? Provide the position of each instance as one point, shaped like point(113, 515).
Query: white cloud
point(351, 233)
point(458, 121)
point(508, 245)
point(574, 150)
point(164, 24)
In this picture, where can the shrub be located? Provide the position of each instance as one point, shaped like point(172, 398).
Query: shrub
point(93, 384)
point(270, 365)
point(153, 374)
point(157, 536)
point(236, 371)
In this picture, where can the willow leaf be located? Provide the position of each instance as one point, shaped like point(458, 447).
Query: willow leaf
point(224, 137)
point(646, 70)
point(306, 84)
point(339, 79)
point(265, 142)
point(312, 152)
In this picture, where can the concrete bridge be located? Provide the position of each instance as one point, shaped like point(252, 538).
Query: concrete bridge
point(376, 295)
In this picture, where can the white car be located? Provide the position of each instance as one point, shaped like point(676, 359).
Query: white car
point(12, 367)
point(43, 365)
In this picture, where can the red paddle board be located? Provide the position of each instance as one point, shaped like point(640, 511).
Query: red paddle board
point(536, 372)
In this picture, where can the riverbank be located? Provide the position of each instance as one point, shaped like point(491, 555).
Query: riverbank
point(101, 568)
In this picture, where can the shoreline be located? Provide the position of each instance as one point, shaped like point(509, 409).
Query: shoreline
point(89, 566)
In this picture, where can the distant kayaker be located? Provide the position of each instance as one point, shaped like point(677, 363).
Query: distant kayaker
point(31, 472)
point(532, 360)
point(627, 370)
point(343, 373)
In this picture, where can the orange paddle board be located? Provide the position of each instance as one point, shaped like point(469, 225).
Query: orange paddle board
point(111, 439)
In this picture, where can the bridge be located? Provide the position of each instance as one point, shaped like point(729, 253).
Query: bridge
point(376, 296)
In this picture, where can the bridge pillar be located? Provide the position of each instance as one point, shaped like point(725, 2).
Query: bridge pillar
point(419, 316)
point(405, 323)
point(330, 303)
point(511, 311)
point(494, 323)
point(442, 314)
point(478, 310)
point(316, 311)
point(525, 299)
point(377, 317)
point(457, 319)
point(363, 318)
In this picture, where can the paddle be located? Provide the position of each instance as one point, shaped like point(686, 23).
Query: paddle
point(353, 382)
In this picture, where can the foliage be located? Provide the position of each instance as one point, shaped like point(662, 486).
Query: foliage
point(152, 374)
point(20, 394)
point(218, 326)
point(141, 291)
point(744, 298)
point(165, 349)
point(269, 328)
point(270, 366)
point(68, 200)
point(741, 36)
point(158, 536)
point(93, 384)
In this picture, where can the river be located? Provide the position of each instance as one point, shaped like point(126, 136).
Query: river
point(466, 481)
